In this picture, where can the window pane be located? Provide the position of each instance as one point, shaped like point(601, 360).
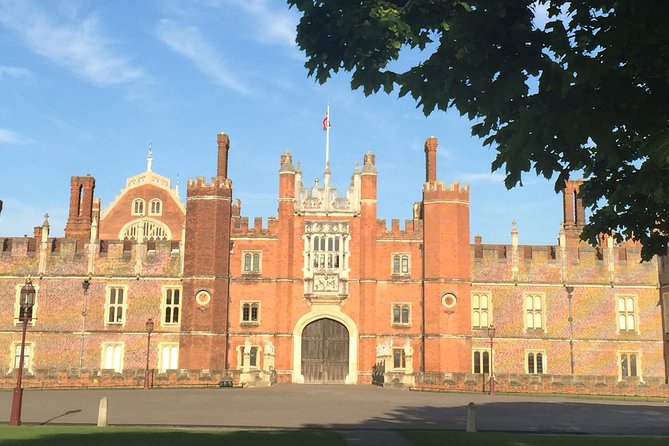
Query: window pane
point(530, 320)
point(176, 297)
point(629, 304)
point(254, 312)
point(621, 304)
point(175, 315)
point(537, 320)
point(530, 363)
point(112, 296)
point(396, 264)
point(119, 314)
point(537, 302)
point(484, 301)
point(630, 322)
point(540, 363)
point(475, 301)
point(119, 296)
point(396, 314)
point(168, 315)
point(484, 319)
point(475, 319)
point(477, 362)
point(529, 302)
point(623, 365)
point(405, 314)
point(486, 362)
point(632, 365)
point(621, 322)
point(168, 297)
point(253, 360)
point(405, 264)
point(247, 262)
point(256, 262)
point(246, 310)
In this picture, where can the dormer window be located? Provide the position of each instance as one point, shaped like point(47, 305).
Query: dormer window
point(138, 206)
point(155, 207)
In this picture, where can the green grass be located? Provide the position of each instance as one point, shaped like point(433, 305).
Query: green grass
point(126, 436)
point(441, 438)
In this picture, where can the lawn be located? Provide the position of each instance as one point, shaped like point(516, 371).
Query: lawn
point(126, 436)
point(441, 438)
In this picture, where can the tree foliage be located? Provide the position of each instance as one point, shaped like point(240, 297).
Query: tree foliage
point(588, 90)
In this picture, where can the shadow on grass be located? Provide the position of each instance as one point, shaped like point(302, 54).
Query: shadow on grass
point(75, 436)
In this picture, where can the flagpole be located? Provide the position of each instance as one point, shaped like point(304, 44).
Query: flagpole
point(327, 137)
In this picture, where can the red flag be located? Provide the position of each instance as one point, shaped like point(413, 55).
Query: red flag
point(326, 121)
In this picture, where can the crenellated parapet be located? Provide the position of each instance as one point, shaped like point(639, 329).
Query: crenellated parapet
point(412, 229)
point(437, 190)
point(200, 187)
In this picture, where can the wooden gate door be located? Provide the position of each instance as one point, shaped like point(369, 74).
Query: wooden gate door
point(325, 352)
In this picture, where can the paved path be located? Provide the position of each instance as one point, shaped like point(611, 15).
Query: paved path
point(343, 408)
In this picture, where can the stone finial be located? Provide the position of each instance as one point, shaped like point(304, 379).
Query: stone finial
point(369, 163)
point(286, 162)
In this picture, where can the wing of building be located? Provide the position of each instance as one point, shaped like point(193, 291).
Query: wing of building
point(324, 292)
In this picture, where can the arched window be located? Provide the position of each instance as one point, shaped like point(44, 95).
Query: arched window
point(155, 207)
point(138, 206)
point(149, 229)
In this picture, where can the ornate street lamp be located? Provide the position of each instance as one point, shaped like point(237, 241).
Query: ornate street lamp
point(149, 330)
point(491, 335)
point(25, 315)
point(84, 285)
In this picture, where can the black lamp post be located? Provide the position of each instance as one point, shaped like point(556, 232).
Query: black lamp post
point(491, 335)
point(149, 330)
point(26, 311)
point(84, 285)
point(570, 290)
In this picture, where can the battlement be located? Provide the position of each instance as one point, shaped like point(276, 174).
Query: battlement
point(240, 227)
point(216, 183)
point(411, 229)
point(438, 190)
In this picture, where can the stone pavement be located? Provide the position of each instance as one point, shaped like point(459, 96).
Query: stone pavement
point(347, 409)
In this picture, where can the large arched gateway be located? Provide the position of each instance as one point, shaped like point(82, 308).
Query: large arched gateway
point(325, 350)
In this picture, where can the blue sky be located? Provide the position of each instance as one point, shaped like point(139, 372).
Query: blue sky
point(86, 85)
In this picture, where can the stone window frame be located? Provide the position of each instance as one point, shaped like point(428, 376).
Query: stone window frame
point(151, 207)
point(534, 310)
point(401, 257)
point(626, 313)
point(483, 366)
point(535, 363)
point(138, 207)
point(164, 306)
point(633, 358)
point(17, 305)
point(162, 367)
point(478, 308)
point(252, 256)
point(103, 355)
point(15, 355)
point(399, 358)
point(108, 304)
point(402, 306)
point(250, 320)
point(240, 356)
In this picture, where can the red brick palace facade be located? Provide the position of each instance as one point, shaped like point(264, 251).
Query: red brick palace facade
point(325, 292)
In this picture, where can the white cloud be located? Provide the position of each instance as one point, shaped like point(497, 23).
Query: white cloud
point(9, 137)
point(483, 177)
point(190, 43)
point(79, 45)
point(7, 71)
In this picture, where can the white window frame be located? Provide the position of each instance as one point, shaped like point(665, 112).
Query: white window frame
point(402, 306)
point(135, 203)
point(544, 362)
point(401, 270)
point(624, 316)
point(103, 357)
point(124, 305)
point(17, 305)
point(164, 306)
point(152, 204)
point(253, 254)
point(168, 356)
point(628, 353)
point(250, 321)
point(15, 354)
point(538, 312)
point(478, 311)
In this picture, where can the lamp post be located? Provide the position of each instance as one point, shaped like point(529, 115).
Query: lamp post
point(149, 330)
point(491, 335)
point(25, 315)
point(570, 289)
point(84, 285)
